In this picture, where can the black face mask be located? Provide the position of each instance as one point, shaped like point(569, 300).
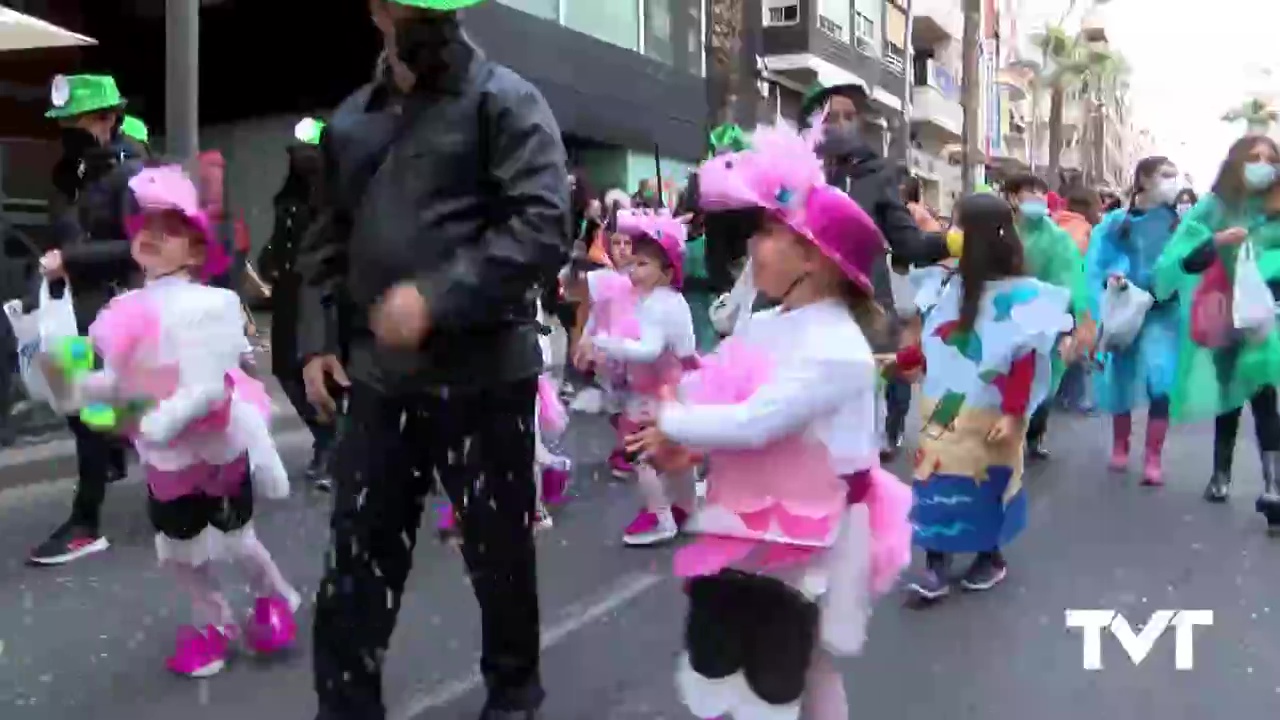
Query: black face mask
point(419, 42)
point(842, 140)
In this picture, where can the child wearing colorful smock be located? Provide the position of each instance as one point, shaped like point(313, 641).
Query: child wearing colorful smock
point(204, 442)
point(1123, 250)
point(800, 528)
point(987, 339)
point(649, 334)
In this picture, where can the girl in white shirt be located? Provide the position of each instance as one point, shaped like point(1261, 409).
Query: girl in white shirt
point(649, 331)
point(801, 528)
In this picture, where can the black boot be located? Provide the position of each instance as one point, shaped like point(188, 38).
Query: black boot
point(1219, 487)
point(321, 456)
point(1268, 502)
point(1037, 428)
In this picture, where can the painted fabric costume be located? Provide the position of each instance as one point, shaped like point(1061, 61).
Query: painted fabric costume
point(968, 491)
point(1214, 380)
point(800, 527)
point(1129, 244)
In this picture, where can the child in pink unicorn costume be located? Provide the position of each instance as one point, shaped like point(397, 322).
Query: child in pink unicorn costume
point(644, 323)
point(204, 440)
point(800, 528)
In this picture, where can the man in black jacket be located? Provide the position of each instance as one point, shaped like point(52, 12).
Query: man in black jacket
point(89, 253)
point(854, 166)
point(446, 202)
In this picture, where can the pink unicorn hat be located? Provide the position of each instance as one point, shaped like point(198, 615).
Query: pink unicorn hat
point(669, 233)
point(782, 174)
point(168, 189)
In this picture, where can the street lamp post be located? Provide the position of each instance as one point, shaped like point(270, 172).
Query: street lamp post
point(182, 79)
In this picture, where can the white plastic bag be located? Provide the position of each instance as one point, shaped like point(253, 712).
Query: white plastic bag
point(1252, 306)
point(35, 332)
point(904, 293)
point(1124, 306)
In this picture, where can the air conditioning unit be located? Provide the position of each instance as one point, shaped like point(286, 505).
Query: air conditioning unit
point(779, 13)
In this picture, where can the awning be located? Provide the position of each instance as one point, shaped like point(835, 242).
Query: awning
point(829, 74)
point(23, 32)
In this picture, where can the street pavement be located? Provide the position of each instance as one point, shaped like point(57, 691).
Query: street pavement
point(87, 641)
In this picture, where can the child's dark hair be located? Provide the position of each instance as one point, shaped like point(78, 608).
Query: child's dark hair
point(1145, 168)
point(1229, 186)
point(650, 248)
point(1186, 195)
point(1083, 201)
point(1025, 182)
point(992, 249)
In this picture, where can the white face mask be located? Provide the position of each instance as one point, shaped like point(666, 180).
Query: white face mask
point(1165, 191)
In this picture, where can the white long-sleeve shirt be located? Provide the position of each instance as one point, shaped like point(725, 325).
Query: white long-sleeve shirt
point(822, 382)
point(666, 325)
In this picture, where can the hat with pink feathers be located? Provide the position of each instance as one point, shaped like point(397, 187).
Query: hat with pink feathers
point(782, 174)
point(661, 227)
point(168, 189)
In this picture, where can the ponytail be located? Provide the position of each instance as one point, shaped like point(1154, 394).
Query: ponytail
point(865, 311)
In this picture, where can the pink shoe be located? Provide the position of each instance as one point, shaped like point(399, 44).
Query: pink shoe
point(650, 529)
point(198, 654)
point(446, 522)
point(619, 465)
point(554, 484)
point(1121, 429)
point(1153, 470)
point(271, 628)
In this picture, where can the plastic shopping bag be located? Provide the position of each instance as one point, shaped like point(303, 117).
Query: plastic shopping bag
point(904, 293)
point(1124, 306)
point(1211, 313)
point(34, 332)
point(1253, 307)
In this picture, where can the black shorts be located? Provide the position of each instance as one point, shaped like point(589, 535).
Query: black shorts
point(185, 517)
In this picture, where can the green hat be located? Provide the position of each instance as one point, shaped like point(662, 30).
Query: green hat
point(818, 94)
point(72, 95)
point(441, 5)
point(135, 128)
point(309, 130)
point(728, 138)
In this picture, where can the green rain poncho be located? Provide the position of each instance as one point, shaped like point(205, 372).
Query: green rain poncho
point(1051, 256)
point(1210, 381)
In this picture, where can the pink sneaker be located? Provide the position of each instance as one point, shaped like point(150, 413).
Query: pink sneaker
point(554, 484)
point(650, 529)
point(619, 466)
point(446, 522)
point(271, 627)
point(198, 654)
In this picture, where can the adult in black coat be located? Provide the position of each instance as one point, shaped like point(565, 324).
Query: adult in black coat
point(295, 209)
point(89, 253)
point(856, 167)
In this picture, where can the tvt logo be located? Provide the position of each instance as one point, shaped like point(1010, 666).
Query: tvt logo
point(1138, 645)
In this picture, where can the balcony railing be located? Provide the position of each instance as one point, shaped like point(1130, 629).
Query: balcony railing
point(895, 58)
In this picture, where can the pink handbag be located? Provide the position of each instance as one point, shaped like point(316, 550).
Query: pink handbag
point(1211, 325)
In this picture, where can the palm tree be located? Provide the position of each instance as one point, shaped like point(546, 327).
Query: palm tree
point(970, 92)
point(1257, 114)
point(727, 23)
point(1071, 64)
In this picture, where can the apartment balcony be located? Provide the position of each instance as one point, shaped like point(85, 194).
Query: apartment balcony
point(801, 46)
point(935, 104)
point(936, 21)
point(935, 167)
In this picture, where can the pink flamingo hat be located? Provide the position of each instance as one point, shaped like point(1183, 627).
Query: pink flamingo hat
point(669, 233)
point(168, 189)
point(782, 174)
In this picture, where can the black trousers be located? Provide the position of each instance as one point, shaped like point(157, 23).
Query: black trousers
point(97, 456)
point(1266, 423)
point(897, 401)
point(479, 444)
point(295, 390)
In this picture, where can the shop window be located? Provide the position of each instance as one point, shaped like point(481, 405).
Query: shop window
point(673, 33)
point(547, 9)
point(614, 21)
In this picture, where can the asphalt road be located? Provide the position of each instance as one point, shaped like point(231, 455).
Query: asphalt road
point(87, 641)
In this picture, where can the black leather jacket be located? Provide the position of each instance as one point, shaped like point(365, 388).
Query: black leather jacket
point(462, 189)
point(87, 219)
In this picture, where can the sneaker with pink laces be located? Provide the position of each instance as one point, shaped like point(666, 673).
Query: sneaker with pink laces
point(651, 528)
point(198, 654)
point(271, 626)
